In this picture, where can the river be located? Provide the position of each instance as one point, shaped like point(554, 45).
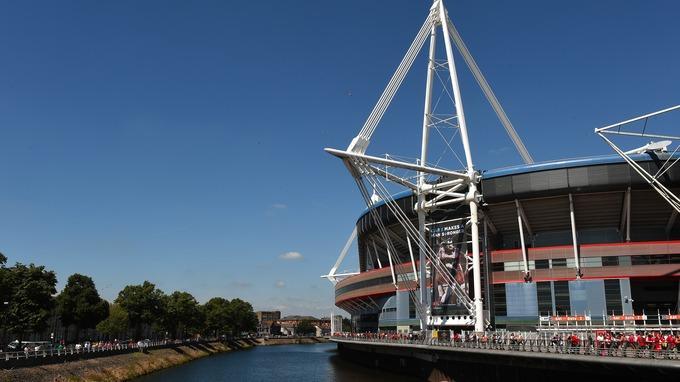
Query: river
point(280, 363)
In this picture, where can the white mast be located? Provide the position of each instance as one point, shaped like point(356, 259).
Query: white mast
point(455, 187)
point(421, 178)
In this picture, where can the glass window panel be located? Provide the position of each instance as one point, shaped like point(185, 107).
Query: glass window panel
point(544, 297)
point(610, 261)
point(591, 262)
point(625, 261)
point(542, 264)
point(500, 307)
point(612, 294)
point(562, 305)
point(640, 260)
point(521, 300)
point(559, 263)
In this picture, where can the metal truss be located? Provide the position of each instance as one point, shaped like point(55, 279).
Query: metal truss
point(651, 147)
point(435, 187)
point(334, 277)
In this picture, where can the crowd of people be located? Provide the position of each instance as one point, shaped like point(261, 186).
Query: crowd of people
point(32, 349)
point(660, 344)
point(655, 341)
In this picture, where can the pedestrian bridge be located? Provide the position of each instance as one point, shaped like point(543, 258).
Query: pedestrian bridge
point(492, 360)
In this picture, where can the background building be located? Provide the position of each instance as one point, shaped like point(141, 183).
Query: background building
point(290, 324)
point(266, 320)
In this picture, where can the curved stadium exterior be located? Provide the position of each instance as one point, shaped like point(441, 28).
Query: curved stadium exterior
point(628, 247)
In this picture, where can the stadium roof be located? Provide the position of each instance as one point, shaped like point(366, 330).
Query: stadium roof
point(548, 165)
point(567, 163)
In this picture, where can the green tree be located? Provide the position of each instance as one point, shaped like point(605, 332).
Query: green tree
point(217, 316)
point(183, 314)
point(116, 324)
point(5, 293)
point(242, 317)
point(143, 303)
point(305, 327)
point(5, 284)
point(79, 304)
point(31, 290)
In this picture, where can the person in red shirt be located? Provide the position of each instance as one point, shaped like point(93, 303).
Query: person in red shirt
point(632, 340)
point(575, 341)
point(671, 342)
point(641, 341)
point(657, 343)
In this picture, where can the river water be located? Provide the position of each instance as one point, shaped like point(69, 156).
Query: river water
point(280, 363)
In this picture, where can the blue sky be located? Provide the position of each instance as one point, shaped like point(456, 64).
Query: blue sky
point(181, 142)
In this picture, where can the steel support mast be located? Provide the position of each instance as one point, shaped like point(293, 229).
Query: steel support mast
point(452, 187)
point(424, 298)
point(473, 195)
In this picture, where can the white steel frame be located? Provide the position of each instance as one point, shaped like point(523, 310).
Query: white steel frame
point(652, 179)
point(463, 186)
point(332, 276)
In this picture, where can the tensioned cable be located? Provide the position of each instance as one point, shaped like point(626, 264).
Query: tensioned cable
point(449, 146)
point(383, 230)
point(670, 197)
point(435, 262)
point(396, 80)
point(441, 93)
point(446, 88)
point(444, 151)
point(410, 230)
point(362, 167)
point(488, 92)
point(660, 173)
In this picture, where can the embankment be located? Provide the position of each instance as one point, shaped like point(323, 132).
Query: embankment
point(120, 367)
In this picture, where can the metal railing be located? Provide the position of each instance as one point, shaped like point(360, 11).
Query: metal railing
point(95, 348)
point(535, 344)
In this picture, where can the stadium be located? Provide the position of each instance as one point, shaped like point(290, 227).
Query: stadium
point(564, 241)
point(582, 243)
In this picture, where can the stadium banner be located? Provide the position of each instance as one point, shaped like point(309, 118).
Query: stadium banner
point(568, 318)
point(449, 241)
point(629, 317)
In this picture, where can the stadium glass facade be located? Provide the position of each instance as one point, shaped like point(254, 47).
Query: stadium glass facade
point(627, 249)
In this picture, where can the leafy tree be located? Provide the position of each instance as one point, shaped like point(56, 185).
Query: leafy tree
point(304, 327)
point(79, 304)
point(5, 291)
point(217, 316)
point(143, 303)
point(116, 324)
point(242, 317)
point(30, 298)
point(183, 314)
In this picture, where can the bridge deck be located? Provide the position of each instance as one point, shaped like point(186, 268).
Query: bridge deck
point(533, 355)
